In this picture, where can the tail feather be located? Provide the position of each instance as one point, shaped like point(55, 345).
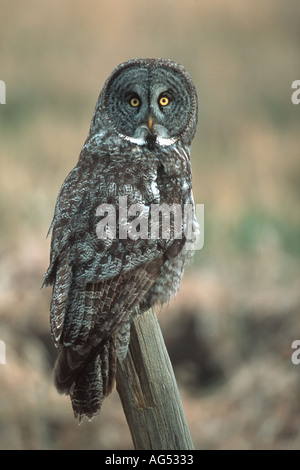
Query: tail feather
point(87, 380)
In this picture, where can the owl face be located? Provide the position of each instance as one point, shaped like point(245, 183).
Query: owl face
point(150, 101)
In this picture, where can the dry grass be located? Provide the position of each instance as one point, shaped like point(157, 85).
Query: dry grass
point(240, 299)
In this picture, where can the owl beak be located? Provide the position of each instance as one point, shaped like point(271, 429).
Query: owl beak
point(151, 138)
point(150, 122)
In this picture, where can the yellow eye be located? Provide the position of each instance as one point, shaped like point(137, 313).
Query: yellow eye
point(164, 101)
point(134, 102)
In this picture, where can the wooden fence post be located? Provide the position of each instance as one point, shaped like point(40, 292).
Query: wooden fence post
point(148, 390)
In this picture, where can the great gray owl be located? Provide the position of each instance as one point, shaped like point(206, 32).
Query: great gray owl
point(112, 253)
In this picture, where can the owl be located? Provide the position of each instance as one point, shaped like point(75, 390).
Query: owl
point(120, 233)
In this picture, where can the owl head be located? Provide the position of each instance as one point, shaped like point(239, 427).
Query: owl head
point(148, 102)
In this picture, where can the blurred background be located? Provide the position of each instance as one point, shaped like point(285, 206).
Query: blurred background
point(230, 329)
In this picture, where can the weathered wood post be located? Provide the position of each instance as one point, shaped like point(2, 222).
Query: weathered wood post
point(148, 390)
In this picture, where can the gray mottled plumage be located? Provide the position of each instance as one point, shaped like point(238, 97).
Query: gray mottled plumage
point(138, 147)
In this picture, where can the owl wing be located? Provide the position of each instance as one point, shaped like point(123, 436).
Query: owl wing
point(96, 288)
point(95, 331)
point(95, 311)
